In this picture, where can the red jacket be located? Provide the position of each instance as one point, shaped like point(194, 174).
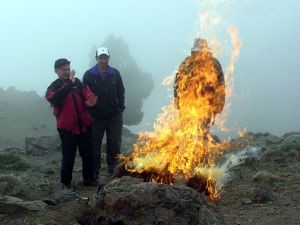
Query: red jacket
point(68, 103)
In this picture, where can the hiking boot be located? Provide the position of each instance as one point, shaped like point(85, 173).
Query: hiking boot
point(68, 187)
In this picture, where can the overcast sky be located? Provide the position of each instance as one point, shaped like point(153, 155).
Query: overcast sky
point(159, 34)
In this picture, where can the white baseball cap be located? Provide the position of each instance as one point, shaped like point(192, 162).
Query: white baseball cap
point(102, 51)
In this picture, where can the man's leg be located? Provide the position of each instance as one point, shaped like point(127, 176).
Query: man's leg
point(69, 146)
point(114, 141)
point(98, 128)
point(85, 145)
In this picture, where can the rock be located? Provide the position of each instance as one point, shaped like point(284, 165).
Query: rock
point(246, 201)
point(250, 161)
point(7, 183)
point(64, 196)
point(129, 201)
point(262, 195)
point(38, 146)
point(50, 201)
point(266, 178)
point(47, 170)
point(36, 205)
point(265, 140)
point(20, 191)
point(293, 133)
point(273, 155)
point(13, 161)
point(293, 154)
point(291, 141)
point(13, 205)
point(11, 185)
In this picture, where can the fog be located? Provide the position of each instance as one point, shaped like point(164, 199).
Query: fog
point(159, 35)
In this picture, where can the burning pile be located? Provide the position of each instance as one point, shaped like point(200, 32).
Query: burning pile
point(180, 149)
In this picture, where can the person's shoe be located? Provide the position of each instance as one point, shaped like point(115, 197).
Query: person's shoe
point(68, 187)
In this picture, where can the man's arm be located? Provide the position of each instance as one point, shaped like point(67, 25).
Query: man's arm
point(89, 97)
point(56, 95)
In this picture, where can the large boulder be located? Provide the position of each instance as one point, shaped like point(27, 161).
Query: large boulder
point(262, 140)
point(129, 201)
point(262, 195)
point(290, 141)
point(265, 178)
point(13, 205)
point(273, 155)
point(38, 146)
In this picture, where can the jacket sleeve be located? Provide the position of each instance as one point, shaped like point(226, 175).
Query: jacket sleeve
point(87, 93)
point(56, 95)
point(85, 80)
point(121, 93)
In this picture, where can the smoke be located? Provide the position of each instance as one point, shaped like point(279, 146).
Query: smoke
point(221, 173)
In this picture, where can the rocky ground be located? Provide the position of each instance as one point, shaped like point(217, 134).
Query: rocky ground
point(265, 190)
point(262, 190)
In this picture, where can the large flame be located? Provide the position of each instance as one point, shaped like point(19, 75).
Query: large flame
point(181, 147)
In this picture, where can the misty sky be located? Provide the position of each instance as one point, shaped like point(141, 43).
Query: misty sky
point(159, 35)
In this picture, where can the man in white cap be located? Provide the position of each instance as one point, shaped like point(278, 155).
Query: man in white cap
point(106, 83)
point(199, 88)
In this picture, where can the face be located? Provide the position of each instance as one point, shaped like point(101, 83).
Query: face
point(102, 60)
point(63, 72)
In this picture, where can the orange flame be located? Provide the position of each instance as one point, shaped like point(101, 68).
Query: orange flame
point(180, 147)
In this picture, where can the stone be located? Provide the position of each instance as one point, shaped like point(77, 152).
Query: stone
point(38, 146)
point(264, 177)
point(262, 195)
point(290, 142)
point(14, 205)
point(128, 200)
point(64, 196)
point(273, 155)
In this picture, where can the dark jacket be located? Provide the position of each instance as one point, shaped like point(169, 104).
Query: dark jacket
point(68, 103)
point(109, 89)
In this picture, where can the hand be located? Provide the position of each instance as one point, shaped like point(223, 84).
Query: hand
point(72, 75)
point(91, 101)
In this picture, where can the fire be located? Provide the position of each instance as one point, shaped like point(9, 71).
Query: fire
point(181, 149)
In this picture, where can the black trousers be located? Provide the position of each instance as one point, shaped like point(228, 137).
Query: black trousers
point(113, 128)
point(69, 144)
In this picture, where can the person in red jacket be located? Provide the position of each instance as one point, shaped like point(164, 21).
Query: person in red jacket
point(69, 100)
